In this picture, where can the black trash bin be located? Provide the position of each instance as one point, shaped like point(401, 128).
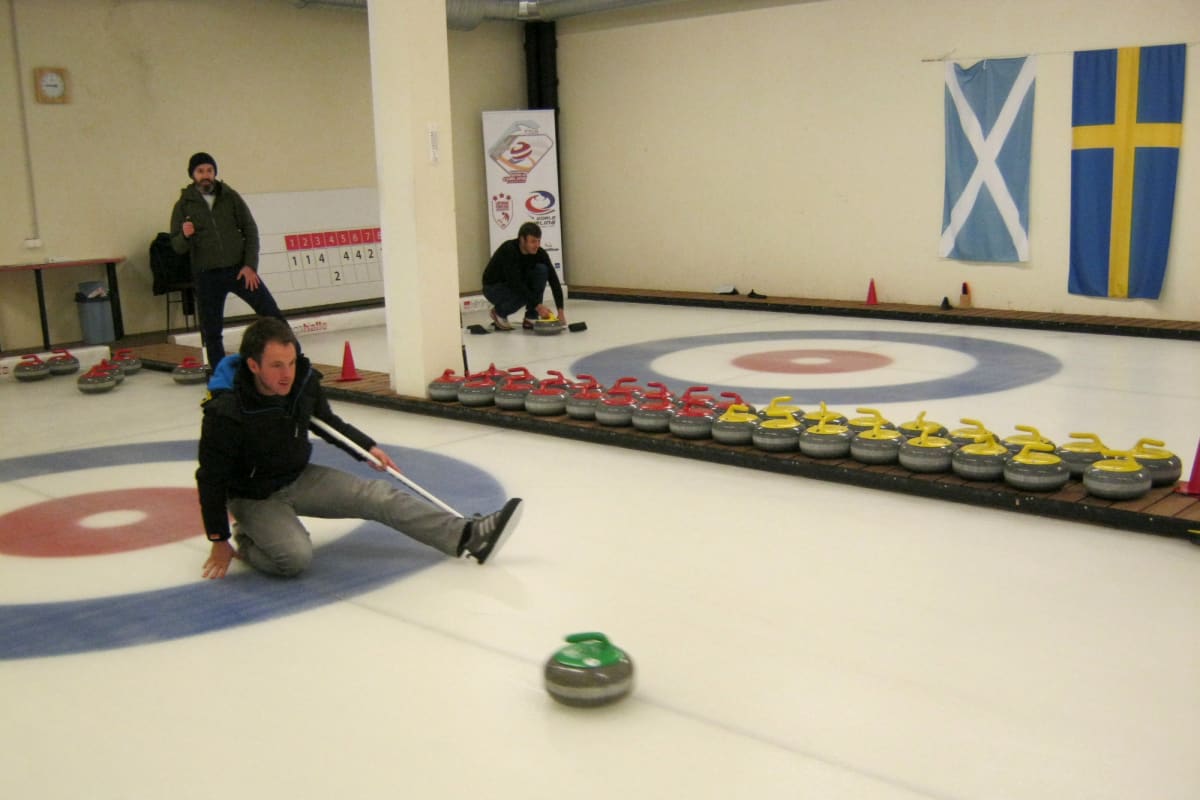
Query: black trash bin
point(95, 313)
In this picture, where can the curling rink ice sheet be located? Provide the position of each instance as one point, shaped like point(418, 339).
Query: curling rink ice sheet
point(790, 637)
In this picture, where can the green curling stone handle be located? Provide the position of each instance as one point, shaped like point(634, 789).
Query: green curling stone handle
point(588, 650)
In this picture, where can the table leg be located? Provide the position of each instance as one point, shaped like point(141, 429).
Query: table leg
point(114, 298)
point(41, 294)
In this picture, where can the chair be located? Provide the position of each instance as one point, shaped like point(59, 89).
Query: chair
point(173, 276)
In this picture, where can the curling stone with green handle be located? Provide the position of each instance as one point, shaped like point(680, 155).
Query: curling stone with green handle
point(980, 461)
point(826, 439)
point(1163, 465)
point(735, 426)
point(1036, 469)
point(31, 368)
point(1118, 476)
point(877, 445)
point(444, 388)
point(969, 434)
point(1078, 455)
point(916, 427)
point(590, 671)
point(1017, 442)
point(62, 362)
point(927, 453)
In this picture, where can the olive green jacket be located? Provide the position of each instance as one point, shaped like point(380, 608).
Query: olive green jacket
point(226, 235)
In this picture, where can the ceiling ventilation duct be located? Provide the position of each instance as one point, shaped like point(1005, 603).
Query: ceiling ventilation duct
point(465, 15)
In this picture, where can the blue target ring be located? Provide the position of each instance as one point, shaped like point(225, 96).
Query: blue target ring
point(998, 366)
point(367, 557)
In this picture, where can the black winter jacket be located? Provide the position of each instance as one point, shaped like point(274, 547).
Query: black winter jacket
point(226, 234)
point(252, 445)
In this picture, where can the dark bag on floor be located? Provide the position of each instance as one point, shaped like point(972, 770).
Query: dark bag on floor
point(171, 271)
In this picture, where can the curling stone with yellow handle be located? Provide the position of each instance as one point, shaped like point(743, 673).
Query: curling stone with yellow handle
point(823, 414)
point(1017, 442)
point(548, 326)
point(1117, 476)
point(1036, 469)
point(927, 453)
point(980, 461)
point(736, 426)
point(915, 427)
point(826, 439)
point(871, 421)
point(969, 434)
point(877, 445)
point(1077, 455)
point(1163, 465)
point(780, 431)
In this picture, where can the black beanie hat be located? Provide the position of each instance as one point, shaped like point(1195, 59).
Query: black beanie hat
point(198, 159)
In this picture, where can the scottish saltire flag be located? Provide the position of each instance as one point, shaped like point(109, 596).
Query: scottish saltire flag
point(1126, 120)
point(989, 130)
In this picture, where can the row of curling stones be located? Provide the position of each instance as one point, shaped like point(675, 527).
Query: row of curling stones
point(32, 368)
point(108, 374)
point(590, 671)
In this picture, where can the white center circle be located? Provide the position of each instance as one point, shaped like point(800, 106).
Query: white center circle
point(113, 519)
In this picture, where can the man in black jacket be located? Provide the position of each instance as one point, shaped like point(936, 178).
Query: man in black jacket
point(212, 223)
point(254, 465)
point(517, 275)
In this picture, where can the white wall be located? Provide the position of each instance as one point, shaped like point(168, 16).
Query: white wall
point(798, 150)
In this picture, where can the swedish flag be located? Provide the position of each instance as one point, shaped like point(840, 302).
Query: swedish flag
point(1126, 119)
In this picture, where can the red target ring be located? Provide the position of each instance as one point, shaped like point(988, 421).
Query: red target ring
point(101, 523)
point(811, 361)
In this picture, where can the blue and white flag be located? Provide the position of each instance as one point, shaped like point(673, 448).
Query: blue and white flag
point(989, 133)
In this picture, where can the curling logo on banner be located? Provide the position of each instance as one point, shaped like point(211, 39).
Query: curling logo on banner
point(519, 150)
point(369, 556)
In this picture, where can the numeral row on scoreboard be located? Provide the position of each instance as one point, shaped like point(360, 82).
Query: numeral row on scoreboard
point(327, 239)
point(335, 257)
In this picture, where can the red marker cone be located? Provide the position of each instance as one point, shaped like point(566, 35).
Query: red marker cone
point(349, 373)
point(965, 300)
point(872, 300)
point(1192, 486)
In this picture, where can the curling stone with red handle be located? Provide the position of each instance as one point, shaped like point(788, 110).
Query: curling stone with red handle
point(63, 363)
point(31, 368)
point(877, 445)
point(127, 361)
point(548, 400)
point(694, 420)
point(1079, 455)
point(695, 396)
point(477, 391)
point(189, 371)
point(1163, 465)
point(512, 393)
point(1036, 469)
point(826, 439)
point(1017, 442)
point(588, 672)
point(653, 414)
point(736, 426)
point(444, 388)
point(733, 399)
point(983, 460)
point(615, 407)
point(916, 427)
point(114, 368)
point(581, 404)
point(927, 453)
point(1117, 476)
point(626, 385)
point(96, 380)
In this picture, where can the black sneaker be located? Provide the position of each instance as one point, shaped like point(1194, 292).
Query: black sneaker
point(487, 534)
point(500, 322)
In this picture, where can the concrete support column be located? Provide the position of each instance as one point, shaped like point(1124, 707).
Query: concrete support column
point(410, 81)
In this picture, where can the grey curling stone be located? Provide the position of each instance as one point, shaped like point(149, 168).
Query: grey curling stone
point(547, 401)
point(736, 426)
point(582, 404)
point(444, 389)
point(63, 364)
point(590, 671)
point(825, 440)
point(1016, 443)
point(927, 453)
point(1117, 479)
point(1163, 465)
point(980, 461)
point(477, 392)
point(95, 381)
point(693, 422)
point(511, 396)
point(1036, 469)
point(653, 416)
point(189, 371)
point(877, 446)
point(916, 427)
point(548, 327)
point(117, 372)
point(615, 411)
point(31, 368)
point(1078, 456)
point(777, 435)
point(127, 361)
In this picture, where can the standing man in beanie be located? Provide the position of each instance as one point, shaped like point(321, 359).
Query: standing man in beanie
point(212, 223)
point(517, 275)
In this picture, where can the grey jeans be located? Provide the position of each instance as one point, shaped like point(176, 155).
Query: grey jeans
point(272, 539)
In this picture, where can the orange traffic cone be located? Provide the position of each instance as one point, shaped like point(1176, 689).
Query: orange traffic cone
point(349, 373)
point(1192, 486)
point(965, 300)
point(872, 300)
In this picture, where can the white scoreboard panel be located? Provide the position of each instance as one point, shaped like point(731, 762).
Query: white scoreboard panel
point(317, 248)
